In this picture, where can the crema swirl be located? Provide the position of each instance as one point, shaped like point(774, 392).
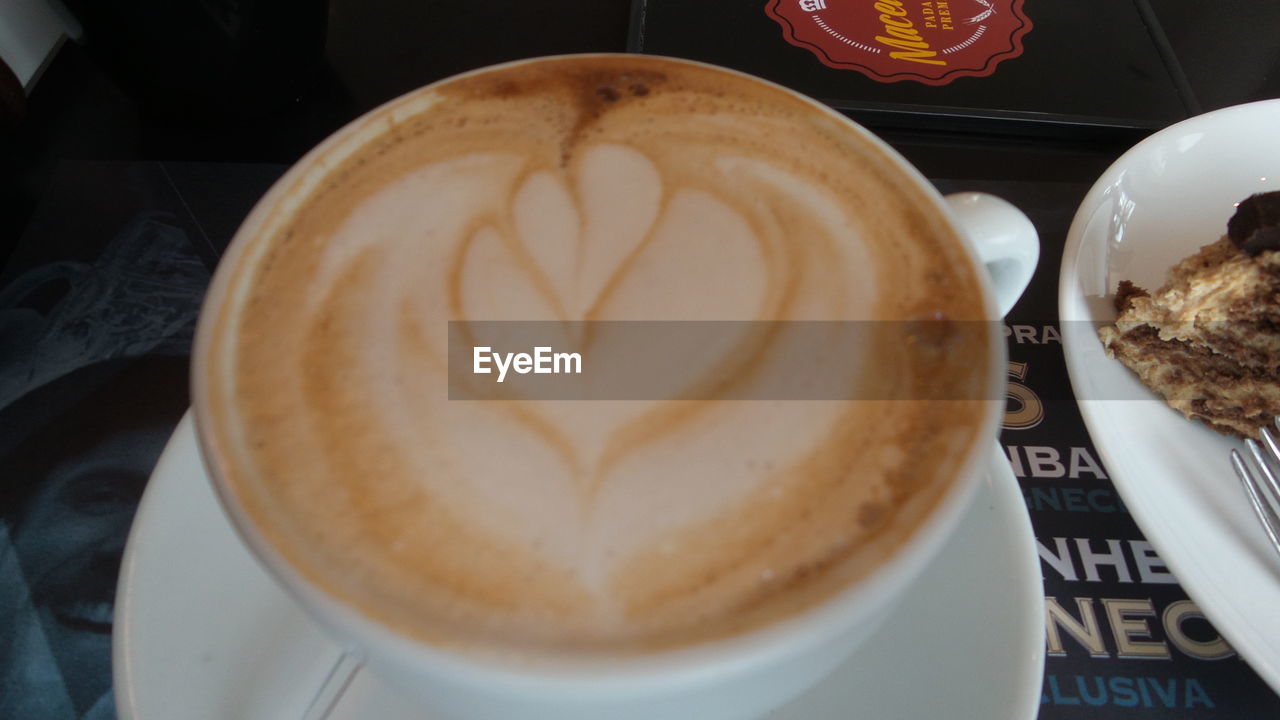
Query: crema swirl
point(585, 189)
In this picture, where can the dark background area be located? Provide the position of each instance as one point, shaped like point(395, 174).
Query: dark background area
point(258, 81)
point(1089, 68)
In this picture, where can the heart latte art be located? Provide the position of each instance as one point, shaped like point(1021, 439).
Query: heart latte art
point(586, 189)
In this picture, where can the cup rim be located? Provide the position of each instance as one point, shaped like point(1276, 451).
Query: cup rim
point(833, 616)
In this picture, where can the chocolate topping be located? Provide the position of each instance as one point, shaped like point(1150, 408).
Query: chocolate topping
point(1126, 293)
point(1256, 225)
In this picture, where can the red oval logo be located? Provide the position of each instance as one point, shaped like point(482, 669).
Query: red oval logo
point(928, 41)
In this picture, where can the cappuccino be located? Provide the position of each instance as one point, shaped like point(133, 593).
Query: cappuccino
point(589, 190)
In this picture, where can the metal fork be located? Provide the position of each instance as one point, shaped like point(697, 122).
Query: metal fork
point(1265, 495)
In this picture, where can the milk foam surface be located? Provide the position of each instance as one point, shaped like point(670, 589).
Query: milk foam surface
point(587, 189)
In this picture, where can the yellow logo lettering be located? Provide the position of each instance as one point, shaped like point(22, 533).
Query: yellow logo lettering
point(902, 36)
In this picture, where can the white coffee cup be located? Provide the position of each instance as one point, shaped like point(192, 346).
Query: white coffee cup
point(734, 677)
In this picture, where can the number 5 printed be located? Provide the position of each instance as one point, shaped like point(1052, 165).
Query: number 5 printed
point(1024, 409)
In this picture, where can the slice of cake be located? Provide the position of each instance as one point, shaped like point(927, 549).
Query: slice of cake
point(1209, 339)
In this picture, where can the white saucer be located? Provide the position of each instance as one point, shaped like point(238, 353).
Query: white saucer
point(201, 632)
point(1164, 198)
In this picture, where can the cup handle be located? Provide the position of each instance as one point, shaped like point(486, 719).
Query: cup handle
point(1006, 241)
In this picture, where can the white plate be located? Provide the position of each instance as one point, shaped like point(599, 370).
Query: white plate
point(201, 632)
point(1166, 197)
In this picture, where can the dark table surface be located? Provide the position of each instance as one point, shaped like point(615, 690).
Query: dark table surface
point(375, 51)
point(106, 160)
